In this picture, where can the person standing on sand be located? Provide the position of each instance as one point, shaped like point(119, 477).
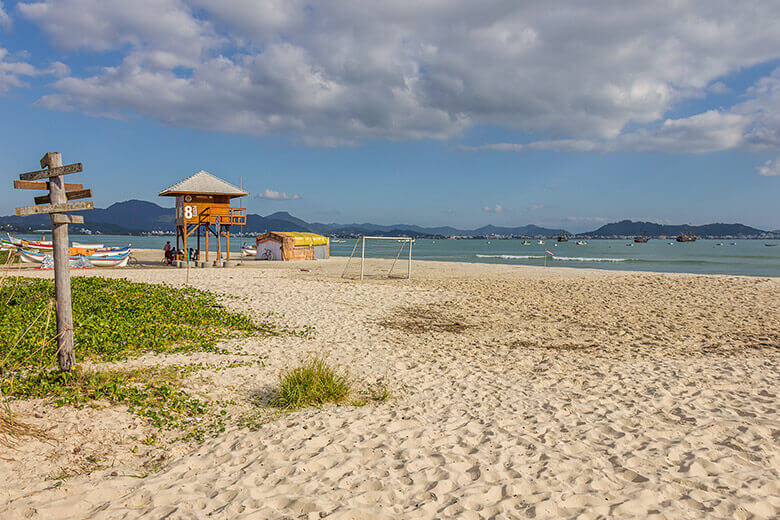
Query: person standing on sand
point(167, 250)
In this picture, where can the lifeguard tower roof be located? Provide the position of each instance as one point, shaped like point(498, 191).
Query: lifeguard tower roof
point(203, 183)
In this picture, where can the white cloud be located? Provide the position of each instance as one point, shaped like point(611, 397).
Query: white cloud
point(328, 142)
point(12, 72)
point(752, 124)
point(498, 208)
point(719, 88)
point(769, 168)
point(337, 72)
point(156, 33)
point(5, 20)
point(276, 195)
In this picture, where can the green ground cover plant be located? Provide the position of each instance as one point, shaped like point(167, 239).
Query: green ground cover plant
point(112, 319)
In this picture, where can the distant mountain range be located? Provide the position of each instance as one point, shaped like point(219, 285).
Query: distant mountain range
point(138, 216)
point(651, 229)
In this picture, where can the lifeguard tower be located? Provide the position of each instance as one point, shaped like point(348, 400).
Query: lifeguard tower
point(203, 201)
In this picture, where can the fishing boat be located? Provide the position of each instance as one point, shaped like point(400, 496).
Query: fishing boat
point(43, 245)
point(582, 243)
point(687, 236)
point(107, 260)
point(248, 251)
point(563, 238)
point(641, 239)
point(541, 242)
point(106, 251)
point(526, 243)
point(86, 246)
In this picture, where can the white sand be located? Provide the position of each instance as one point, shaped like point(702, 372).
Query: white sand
point(517, 392)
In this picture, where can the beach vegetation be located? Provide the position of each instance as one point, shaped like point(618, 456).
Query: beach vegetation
point(112, 320)
point(8, 257)
point(313, 382)
point(115, 320)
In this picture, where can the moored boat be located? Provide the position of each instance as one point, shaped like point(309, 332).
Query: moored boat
point(106, 260)
point(563, 238)
point(641, 239)
point(248, 251)
point(687, 236)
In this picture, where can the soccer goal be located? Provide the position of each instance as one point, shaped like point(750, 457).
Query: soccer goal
point(381, 247)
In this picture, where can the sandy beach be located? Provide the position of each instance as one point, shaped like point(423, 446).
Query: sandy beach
point(517, 392)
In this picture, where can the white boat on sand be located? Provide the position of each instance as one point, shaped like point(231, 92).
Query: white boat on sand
point(116, 260)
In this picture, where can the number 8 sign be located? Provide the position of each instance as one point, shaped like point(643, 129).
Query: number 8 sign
point(190, 212)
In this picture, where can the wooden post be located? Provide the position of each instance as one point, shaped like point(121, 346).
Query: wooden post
point(409, 271)
point(198, 250)
point(184, 242)
point(219, 240)
point(57, 206)
point(227, 236)
point(66, 353)
point(207, 242)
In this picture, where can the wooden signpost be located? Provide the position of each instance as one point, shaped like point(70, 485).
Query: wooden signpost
point(56, 204)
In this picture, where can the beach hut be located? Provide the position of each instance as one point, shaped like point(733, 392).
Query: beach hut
point(292, 245)
point(203, 203)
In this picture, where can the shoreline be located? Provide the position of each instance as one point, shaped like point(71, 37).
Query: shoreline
point(148, 259)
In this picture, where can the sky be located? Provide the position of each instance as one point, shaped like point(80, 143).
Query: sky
point(440, 112)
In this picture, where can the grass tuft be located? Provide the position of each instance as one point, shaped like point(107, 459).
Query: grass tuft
point(314, 382)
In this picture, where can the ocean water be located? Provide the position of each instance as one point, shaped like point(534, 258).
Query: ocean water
point(745, 257)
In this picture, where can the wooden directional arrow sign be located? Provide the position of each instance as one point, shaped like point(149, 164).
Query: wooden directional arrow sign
point(44, 185)
point(71, 195)
point(64, 218)
point(51, 172)
point(54, 208)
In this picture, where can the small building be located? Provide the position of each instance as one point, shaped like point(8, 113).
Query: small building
point(203, 204)
point(292, 245)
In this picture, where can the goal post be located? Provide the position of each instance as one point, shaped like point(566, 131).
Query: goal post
point(361, 242)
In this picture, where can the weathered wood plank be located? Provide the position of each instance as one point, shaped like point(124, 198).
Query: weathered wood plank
point(64, 218)
point(54, 208)
point(70, 195)
point(43, 185)
point(51, 172)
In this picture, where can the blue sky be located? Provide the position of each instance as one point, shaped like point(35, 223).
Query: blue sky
point(415, 112)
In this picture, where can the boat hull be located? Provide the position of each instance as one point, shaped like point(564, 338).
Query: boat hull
point(119, 260)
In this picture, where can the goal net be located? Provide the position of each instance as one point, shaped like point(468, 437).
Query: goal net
point(380, 257)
